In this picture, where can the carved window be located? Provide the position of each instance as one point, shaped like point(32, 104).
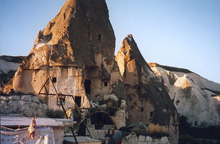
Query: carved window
point(54, 80)
point(99, 37)
point(151, 114)
point(105, 83)
point(87, 84)
point(62, 100)
point(78, 101)
point(196, 123)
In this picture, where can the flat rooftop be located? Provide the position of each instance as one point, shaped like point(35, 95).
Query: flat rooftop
point(26, 121)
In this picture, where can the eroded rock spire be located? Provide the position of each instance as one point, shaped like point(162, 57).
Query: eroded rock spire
point(147, 97)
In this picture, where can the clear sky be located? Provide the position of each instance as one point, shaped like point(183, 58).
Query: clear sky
point(180, 33)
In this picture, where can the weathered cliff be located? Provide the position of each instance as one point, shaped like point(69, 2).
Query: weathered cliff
point(147, 97)
point(8, 67)
point(193, 96)
point(80, 35)
point(78, 31)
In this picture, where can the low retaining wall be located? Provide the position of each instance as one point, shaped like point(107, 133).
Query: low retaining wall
point(22, 105)
point(134, 139)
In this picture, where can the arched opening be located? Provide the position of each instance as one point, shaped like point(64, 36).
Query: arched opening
point(98, 124)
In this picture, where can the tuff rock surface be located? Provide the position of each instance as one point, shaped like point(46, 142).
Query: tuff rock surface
point(80, 35)
point(76, 52)
point(81, 29)
point(194, 97)
point(76, 49)
point(148, 99)
point(8, 67)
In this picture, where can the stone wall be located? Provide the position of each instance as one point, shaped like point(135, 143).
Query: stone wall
point(134, 139)
point(22, 105)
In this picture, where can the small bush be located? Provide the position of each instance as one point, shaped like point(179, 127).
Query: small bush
point(153, 131)
point(157, 130)
point(50, 113)
point(75, 113)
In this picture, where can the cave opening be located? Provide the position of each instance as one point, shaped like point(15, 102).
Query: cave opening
point(87, 84)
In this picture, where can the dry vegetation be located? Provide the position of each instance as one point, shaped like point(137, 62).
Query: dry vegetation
point(152, 128)
point(153, 131)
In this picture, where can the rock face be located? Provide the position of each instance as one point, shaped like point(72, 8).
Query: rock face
point(79, 31)
point(80, 35)
point(8, 67)
point(194, 97)
point(76, 50)
point(147, 97)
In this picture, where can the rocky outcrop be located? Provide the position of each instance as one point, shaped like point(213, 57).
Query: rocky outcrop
point(8, 67)
point(143, 86)
point(194, 97)
point(76, 52)
point(81, 29)
point(148, 100)
point(80, 35)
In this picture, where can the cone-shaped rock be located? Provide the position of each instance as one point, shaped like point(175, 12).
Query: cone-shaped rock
point(79, 30)
point(147, 97)
point(80, 35)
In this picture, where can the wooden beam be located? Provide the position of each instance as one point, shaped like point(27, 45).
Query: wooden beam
point(63, 108)
point(55, 94)
point(43, 85)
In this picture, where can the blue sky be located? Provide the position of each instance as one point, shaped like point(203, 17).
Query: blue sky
point(180, 33)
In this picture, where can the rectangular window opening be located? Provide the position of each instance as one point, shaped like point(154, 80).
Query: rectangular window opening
point(78, 101)
point(62, 99)
point(99, 37)
point(105, 83)
point(151, 114)
point(54, 80)
point(87, 85)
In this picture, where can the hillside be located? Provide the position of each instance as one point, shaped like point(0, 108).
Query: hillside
point(194, 97)
point(8, 67)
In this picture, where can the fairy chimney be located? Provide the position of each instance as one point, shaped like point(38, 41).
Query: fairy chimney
point(148, 100)
point(80, 36)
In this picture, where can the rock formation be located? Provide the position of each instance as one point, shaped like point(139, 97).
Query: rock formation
point(9, 65)
point(148, 100)
point(80, 35)
point(194, 97)
point(76, 49)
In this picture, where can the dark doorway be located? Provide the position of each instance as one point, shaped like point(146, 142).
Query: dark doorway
point(99, 37)
point(105, 83)
point(100, 119)
point(78, 101)
point(87, 84)
point(82, 129)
